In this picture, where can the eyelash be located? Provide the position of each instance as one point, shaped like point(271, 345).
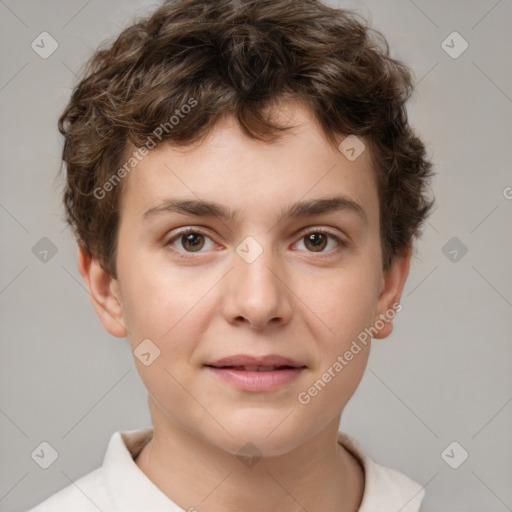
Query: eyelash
point(341, 243)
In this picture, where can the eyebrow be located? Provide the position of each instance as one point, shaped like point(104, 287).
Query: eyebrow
point(202, 208)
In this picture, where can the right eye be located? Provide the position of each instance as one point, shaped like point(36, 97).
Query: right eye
point(191, 241)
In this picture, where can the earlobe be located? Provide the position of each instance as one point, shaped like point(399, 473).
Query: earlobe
point(104, 293)
point(393, 284)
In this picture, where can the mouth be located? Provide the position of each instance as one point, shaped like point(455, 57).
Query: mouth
point(249, 373)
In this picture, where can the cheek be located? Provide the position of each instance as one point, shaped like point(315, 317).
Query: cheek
point(157, 299)
point(171, 314)
point(341, 303)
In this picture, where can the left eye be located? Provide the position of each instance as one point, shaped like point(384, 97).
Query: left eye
point(317, 241)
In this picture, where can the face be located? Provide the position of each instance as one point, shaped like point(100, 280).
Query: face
point(231, 249)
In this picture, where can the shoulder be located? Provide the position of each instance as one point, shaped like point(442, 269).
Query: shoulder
point(87, 494)
point(385, 489)
point(107, 487)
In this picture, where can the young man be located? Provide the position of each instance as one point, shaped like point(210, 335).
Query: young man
point(245, 189)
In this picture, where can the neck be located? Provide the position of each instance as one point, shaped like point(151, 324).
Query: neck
point(319, 474)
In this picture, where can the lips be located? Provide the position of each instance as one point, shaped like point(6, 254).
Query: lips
point(256, 374)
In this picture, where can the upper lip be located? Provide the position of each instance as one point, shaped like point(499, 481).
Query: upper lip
point(248, 360)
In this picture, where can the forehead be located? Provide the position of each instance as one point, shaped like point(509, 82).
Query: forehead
point(253, 177)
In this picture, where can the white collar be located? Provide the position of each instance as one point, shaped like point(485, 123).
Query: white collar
point(132, 491)
point(385, 488)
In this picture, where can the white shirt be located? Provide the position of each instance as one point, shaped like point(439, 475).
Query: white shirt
point(119, 485)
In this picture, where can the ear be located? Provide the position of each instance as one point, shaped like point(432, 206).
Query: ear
point(393, 282)
point(104, 293)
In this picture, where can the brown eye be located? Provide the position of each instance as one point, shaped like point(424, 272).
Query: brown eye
point(322, 242)
point(192, 242)
point(316, 242)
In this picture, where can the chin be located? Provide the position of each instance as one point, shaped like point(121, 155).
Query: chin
point(246, 445)
point(263, 432)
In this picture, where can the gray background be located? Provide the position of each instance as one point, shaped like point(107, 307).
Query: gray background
point(445, 373)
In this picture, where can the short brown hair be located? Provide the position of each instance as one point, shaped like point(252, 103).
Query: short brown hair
point(239, 57)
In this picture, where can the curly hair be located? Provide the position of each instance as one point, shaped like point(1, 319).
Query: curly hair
point(239, 57)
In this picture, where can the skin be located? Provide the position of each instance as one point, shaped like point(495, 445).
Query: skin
point(294, 300)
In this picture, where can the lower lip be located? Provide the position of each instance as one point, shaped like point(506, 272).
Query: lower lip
point(257, 381)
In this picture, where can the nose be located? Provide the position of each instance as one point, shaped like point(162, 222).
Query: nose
point(257, 293)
